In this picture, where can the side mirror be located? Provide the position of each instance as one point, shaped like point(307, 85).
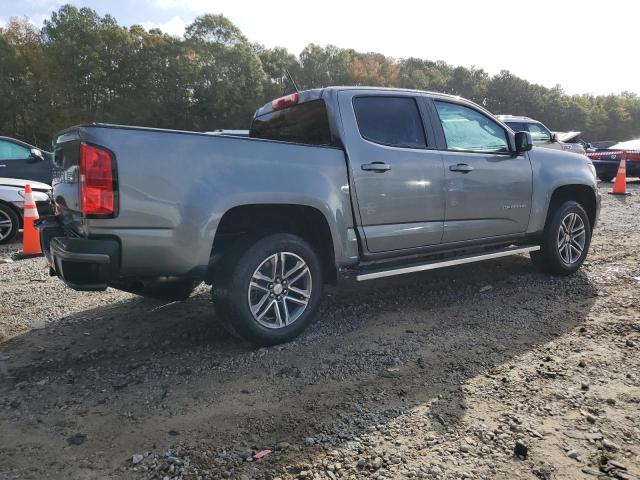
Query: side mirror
point(523, 141)
point(554, 137)
point(35, 155)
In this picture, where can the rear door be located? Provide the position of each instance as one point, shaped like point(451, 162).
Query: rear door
point(488, 189)
point(396, 172)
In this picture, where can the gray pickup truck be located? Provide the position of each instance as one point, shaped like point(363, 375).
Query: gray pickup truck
point(333, 182)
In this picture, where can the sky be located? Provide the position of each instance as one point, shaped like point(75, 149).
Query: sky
point(588, 46)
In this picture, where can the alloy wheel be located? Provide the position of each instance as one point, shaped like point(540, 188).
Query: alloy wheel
point(6, 226)
point(572, 236)
point(279, 290)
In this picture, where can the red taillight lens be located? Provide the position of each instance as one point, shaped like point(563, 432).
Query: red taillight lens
point(285, 102)
point(97, 181)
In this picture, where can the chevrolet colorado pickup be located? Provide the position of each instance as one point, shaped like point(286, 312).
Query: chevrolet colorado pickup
point(333, 182)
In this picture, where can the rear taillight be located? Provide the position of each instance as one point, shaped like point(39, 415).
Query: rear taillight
point(285, 102)
point(97, 182)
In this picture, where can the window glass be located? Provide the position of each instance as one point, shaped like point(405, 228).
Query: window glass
point(517, 126)
point(306, 122)
point(538, 132)
point(393, 121)
point(11, 151)
point(469, 130)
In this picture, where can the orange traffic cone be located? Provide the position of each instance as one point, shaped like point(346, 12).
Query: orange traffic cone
point(620, 185)
point(31, 236)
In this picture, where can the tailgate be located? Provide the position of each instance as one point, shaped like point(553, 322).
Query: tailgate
point(66, 179)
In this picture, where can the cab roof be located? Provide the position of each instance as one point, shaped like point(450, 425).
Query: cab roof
point(317, 93)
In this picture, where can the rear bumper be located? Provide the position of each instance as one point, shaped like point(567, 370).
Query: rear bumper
point(82, 263)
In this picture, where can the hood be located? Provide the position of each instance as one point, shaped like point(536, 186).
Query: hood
point(15, 182)
point(628, 145)
point(566, 136)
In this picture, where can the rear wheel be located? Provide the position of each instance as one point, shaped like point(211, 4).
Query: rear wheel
point(9, 223)
point(267, 293)
point(565, 241)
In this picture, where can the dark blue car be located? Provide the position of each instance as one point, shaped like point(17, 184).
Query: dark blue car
point(23, 161)
point(606, 161)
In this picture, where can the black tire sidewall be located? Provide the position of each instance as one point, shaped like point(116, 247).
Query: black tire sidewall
point(606, 177)
point(236, 306)
point(551, 255)
point(15, 223)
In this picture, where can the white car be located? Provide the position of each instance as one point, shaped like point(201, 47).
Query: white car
point(541, 135)
point(12, 204)
point(628, 145)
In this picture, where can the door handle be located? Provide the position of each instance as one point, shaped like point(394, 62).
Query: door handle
point(461, 167)
point(2, 165)
point(376, 167)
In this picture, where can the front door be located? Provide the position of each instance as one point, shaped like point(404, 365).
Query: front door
point(488, 188)
point(397, 176)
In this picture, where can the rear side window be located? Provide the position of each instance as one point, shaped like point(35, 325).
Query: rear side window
point(393, 121)
point(306, 122)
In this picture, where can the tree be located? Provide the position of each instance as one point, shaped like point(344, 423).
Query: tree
point(83, 67)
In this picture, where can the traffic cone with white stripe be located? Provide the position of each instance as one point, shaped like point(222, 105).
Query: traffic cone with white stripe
point(620, 185)
point(30, 236)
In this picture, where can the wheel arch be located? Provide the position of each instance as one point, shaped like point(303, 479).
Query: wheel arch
point(583, 194)
point(258, 220)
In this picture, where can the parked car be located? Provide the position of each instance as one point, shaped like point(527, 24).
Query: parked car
point(607, 161)
point(628, 145)
point(12, 203)
point(541, 135)
point(23, 161)
point(366, 182)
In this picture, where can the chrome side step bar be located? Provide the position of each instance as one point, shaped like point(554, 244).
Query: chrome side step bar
point(505, 252)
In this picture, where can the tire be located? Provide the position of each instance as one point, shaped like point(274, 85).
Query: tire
point(606, 177)
point(563, 253)
point(260, 306)
point(9, 224)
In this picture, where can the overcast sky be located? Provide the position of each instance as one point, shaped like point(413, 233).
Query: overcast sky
point(589, 46)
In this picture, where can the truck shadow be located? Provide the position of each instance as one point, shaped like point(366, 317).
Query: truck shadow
point(376, 349)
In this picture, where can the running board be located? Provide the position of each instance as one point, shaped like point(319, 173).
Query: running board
point(505, 252)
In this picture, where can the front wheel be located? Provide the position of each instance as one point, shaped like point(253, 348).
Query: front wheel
point(268, 293)
point(565, 241)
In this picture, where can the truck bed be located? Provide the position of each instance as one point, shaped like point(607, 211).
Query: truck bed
point(173, 188)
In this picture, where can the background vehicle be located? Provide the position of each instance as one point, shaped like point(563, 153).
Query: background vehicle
point(12, 203)
point(23, 161)
point(360, 181)
point(541, 135)
point(606, 161)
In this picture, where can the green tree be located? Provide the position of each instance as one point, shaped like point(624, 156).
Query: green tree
point(83, 67)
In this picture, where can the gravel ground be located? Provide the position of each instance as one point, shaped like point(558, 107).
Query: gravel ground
point(437, 375)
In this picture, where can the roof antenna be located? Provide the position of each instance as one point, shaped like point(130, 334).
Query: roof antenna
point(293, 82)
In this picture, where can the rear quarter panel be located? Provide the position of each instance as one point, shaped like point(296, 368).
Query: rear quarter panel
point(174, 187)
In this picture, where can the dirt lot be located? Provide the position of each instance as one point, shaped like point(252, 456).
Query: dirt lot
point(434, 375)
